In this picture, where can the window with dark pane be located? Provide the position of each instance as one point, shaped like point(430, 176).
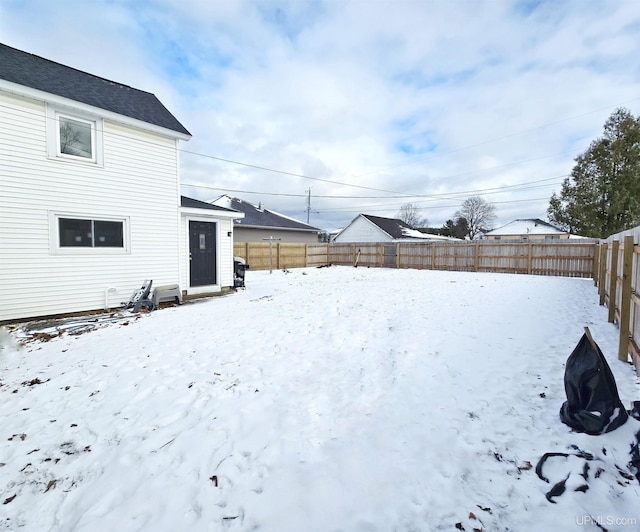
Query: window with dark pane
point(75, 233)
point(107, 234)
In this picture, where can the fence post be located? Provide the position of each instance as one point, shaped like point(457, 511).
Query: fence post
point(433, 256)
point(398, 255)
point(613, 280)
point(476, 259)
point(625, 299)
point(596, 264)
point(529, 258)
point(602, 290)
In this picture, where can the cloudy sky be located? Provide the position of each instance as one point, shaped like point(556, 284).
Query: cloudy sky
point(367, 104)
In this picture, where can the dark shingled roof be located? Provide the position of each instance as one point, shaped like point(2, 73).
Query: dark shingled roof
point(392, 226)
point(197, 204)
point(38, 73)
point(256, 217)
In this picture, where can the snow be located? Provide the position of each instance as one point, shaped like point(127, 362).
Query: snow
point(412, 234)
point(325, 399)
point(524, 227)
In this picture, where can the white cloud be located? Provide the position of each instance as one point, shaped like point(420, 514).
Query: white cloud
point(411, 97)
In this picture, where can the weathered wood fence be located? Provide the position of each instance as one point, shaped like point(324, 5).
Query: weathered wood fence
point(572, 259)
point(618, 280)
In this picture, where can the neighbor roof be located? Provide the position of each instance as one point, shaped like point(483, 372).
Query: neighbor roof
point(395, 227)
point(256, 216)
point(527, 226)
point(42, 74)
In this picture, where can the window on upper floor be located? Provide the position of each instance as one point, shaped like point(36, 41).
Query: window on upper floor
point(74, 137)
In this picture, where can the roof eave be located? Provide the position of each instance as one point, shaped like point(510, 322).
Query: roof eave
point(195, 211)
point(47, 97)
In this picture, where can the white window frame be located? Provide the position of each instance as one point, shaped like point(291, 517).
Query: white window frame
point(54, 114)
point(57, 249)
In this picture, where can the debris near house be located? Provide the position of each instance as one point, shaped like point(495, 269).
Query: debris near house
point(140, 298)
point(45, 330)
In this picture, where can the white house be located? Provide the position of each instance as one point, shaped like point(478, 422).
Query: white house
point(367, 228)
point(90, 201)
point(527, 229)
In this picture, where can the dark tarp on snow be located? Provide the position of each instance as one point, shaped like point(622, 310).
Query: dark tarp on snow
point(593, 404)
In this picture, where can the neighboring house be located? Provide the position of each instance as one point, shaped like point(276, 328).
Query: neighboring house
point(260, 224)
point(529, 229)
point(367, 228)
point(90, 201)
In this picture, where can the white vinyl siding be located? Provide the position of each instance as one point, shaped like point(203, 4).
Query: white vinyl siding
point(362, 230)
point(138, 182)
point(248, 234)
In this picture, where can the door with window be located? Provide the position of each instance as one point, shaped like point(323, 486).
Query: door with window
point(202, 253)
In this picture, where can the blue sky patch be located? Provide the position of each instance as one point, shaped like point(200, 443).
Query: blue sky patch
point(417, 144)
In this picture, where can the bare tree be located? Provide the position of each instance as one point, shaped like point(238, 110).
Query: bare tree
point(69, 138)
point(410, 214)
point(479, 214)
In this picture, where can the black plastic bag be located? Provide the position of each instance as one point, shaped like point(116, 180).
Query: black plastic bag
point(593, 404)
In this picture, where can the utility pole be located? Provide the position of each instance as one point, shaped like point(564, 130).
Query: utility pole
point(308, 203)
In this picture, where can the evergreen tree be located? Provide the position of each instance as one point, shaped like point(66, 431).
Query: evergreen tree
point(458, 229)
point(601, 196)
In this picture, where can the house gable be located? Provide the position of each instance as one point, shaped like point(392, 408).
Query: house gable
point(48, 77)
point(368, 228)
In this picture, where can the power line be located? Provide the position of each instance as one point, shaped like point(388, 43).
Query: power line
point(334, 182)
point(509, 135)
point(425, 197)
point(379, 207)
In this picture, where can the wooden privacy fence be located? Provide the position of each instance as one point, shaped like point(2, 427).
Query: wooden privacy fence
point(614, 266)
point(618, 279)
point(572, 259)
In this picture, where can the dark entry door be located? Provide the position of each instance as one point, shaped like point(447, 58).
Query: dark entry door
point(202, 253)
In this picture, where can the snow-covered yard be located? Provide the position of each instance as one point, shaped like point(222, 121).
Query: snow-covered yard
point(318, 400)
